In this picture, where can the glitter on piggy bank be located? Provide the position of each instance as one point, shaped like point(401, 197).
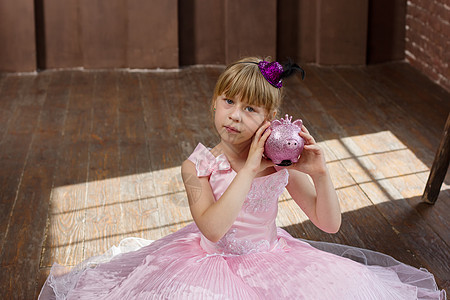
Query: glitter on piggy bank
point(284, 145)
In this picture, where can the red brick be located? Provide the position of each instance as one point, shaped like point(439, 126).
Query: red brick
point(442, 12)
point(427, 38)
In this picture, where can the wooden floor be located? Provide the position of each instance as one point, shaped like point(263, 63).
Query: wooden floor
point(91, 157)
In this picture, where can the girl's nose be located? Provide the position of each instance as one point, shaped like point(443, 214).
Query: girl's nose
point(236, 115)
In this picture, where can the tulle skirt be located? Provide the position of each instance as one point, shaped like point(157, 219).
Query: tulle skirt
point(176, 267)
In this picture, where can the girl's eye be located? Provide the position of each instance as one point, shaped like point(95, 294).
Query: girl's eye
point(229, 101)
point(250, 109)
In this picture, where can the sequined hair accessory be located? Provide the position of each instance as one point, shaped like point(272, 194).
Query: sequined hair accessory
point(274, 72)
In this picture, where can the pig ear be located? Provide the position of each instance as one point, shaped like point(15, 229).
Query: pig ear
point(298, 122)
point(275, 123)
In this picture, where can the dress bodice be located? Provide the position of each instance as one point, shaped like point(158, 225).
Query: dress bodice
point(254, 229)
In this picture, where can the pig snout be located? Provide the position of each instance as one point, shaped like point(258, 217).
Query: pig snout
point(291, 144)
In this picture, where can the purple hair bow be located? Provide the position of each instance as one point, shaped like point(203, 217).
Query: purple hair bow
point(272, 72)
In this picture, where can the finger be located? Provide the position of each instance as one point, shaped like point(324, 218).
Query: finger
point(308, 138)
point(264, 126)
point(304, 129)
point(265, 136)
point(260, 131)
point(314, 148)
point(311, 147)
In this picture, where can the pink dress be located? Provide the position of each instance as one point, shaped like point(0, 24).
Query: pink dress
point(253, 260)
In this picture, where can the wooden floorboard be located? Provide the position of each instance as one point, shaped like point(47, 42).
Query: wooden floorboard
point(91, 157)
point(387, 165)
point(363, 227)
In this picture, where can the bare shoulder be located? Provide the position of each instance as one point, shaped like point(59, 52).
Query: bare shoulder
point(198, 190)
point(187, 165)
point(188, 170)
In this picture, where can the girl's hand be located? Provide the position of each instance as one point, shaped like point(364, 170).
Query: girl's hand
point(312, 159)
point(255, 160)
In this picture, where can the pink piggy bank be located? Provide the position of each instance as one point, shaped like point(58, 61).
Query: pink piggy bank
point(284, 145)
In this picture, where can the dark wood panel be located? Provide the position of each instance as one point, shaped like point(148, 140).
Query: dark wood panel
point(342, 32)
point(17, 33)
point(152, 34)
point(104, 33)
point(201, 32)
point(386, 31)
point(296, 30)
point(254, 34)
point(62, 34)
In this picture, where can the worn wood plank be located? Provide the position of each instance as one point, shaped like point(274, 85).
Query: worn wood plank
point(428, 114)
point(386, 111)
point(65, 225)
point(14, 149)
point(421, 87)
point(103, 227)
point(25, 234)
point(11, 88)
point(175, 213)
point(140, 214)
point(204, 80)
point(162, 127)
point(416, 139)
point(389, 210)
point(410, 188)
point(19, 126)
point(414, 231)
point(361, 212)
point(417, 80)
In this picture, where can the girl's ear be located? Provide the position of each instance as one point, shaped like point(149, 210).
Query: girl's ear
point(271, 115)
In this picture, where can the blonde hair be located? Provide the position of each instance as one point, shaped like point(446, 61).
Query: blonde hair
point(246, 81)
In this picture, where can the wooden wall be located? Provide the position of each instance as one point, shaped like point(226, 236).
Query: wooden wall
point(110, 34)
point(97, 34)
point(17, 36)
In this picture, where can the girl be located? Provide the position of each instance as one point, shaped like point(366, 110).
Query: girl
point(234, 250)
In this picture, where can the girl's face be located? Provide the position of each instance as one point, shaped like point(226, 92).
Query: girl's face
point(237, 121)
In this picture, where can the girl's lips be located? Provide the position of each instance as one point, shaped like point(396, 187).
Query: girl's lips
point(231, 129)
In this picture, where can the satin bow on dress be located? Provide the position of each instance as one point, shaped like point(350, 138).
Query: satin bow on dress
point(206, 167)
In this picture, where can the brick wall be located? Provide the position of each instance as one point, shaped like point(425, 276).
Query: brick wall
point(427, 45)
